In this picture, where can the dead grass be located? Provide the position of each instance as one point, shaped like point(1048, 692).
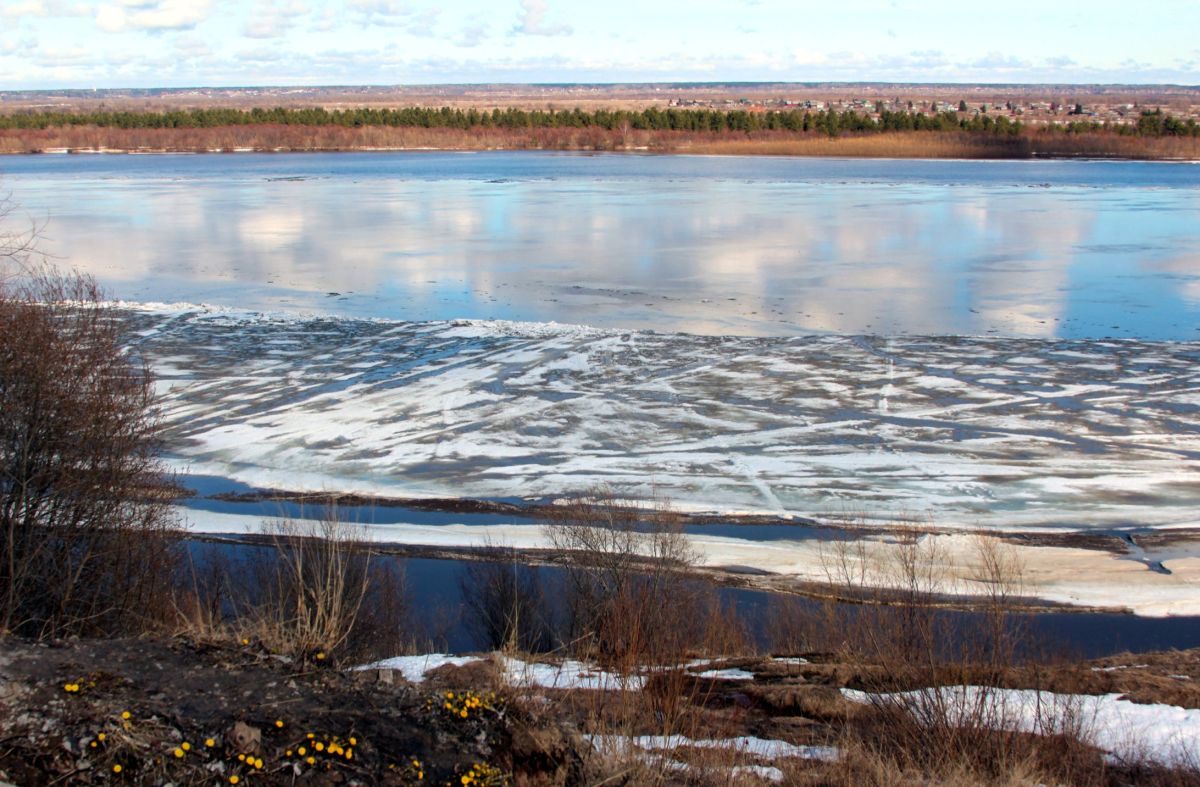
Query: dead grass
point(317, 594)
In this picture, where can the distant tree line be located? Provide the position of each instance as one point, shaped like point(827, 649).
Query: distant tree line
point(831, 122)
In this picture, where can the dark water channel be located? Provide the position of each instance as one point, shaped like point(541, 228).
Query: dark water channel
point(437, 617)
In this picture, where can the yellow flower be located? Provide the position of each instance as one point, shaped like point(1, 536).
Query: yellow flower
point(349, 754)
point(279, 723)
point(353, 741)
point(185, 746)
point(241, 758)
point(101, 737)
point(126, 715)
point(311, 760)
point(303, 751)
point(289, 753)
point(465, 780)
point(245, 641)
point(116, 769)
point(449, 695)
point(310, 736)
point(258, 763)
point(321, 656)
point(234, 779)
point(463, 713)
point(178, 752)
point(420, 774)
point(209, 742)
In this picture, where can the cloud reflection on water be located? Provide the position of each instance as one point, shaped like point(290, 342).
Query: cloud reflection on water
point(697, 255)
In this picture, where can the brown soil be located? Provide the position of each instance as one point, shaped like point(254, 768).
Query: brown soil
point(243, 701)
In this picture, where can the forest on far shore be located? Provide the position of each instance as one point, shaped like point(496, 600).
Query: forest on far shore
point(1154, 135)
point(1151, 123)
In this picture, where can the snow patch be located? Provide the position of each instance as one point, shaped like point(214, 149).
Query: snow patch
point(1129, 731)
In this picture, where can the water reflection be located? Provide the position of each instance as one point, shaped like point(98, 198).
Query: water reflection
point(698, 245)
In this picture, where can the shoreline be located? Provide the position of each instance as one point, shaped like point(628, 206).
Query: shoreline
point(1150, 573)
point(727, 577)
point(764, 149)
point(1105, 539)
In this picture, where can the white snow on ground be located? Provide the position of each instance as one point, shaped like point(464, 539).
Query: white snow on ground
point(761, 771)
point(656, 748)
point(567, 675)
point(755, 747)
point(725, 674)
point(564, 675)
point(414, 668)
point(1127, 730)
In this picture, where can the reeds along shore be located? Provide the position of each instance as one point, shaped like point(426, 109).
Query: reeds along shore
point(898, 144)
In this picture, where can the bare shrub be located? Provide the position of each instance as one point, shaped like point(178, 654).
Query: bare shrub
point(932, 676)
point(634, 607)
point(627, 592)
point(304, 587)
point(88, 537)
point(506, 602)
point(311, 593)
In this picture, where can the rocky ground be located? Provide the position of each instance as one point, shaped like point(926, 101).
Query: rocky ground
point(173, 711)
point(176, 711)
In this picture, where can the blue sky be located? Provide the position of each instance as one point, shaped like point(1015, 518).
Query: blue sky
point(148, 43)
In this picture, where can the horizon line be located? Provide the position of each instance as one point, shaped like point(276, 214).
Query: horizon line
point(681, 84)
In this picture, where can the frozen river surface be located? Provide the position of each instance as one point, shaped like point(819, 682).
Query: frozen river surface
point(1001, 344)
point(717, 246)
point(963, 431)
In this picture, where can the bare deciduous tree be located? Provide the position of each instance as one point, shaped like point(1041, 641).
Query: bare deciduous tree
point(15, 245)
point(87, 535)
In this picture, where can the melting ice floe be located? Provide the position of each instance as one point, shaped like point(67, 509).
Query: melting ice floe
point(969, 431)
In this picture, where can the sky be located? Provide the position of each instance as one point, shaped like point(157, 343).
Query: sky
point(173, 43)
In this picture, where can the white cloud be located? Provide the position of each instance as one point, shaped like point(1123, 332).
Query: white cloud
point(152, 15)
point(472, 35)
point(380, 7)
point(189, 47)
point(327, 19)
point(394, 13)
point(274, 18)
point(19, 9)
point(378, 11)
point(423, 23)
point(533, 21)
point(16, 44)
point(26, 9)
point(998, 61)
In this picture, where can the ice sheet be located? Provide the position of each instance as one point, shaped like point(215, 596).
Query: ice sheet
point(963, 432)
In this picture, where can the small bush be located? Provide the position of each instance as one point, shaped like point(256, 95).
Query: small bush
point(313, 589)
